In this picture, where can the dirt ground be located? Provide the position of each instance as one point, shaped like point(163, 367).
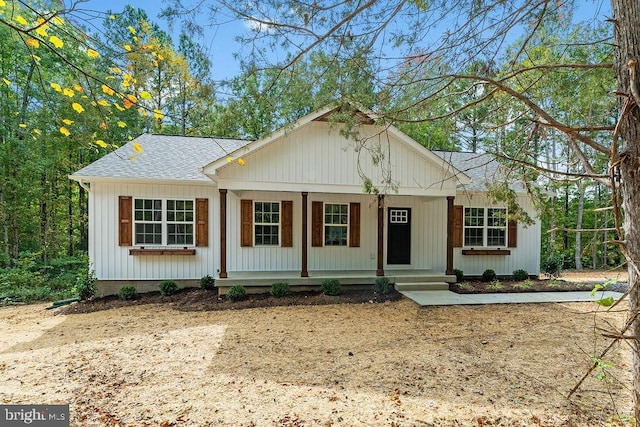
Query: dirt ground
point(373, 363)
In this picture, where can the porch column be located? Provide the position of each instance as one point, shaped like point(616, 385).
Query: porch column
point(380, 257)
point(223, 233)
point(450, 234)
point(305, 230)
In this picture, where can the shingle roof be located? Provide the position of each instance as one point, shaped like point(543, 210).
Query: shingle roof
point(482, 168)
point(163, 157)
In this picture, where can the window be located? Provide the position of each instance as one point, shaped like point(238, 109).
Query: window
point(336, 222)
point(267, 223)
point(485, 227)
point(163, 222)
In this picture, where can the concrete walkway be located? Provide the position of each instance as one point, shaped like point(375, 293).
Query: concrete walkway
point(444, 297)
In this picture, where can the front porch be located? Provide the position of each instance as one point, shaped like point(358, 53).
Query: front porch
point(260, 281)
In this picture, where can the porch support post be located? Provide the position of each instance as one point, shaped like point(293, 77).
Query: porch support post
point(305, 229)
point(380, 257)
point(223, 233)
point(450, 234)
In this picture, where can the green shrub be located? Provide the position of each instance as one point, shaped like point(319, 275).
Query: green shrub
point(495, 285)
point(279, 290)
point(168, 287)
point(553, 266)
point(488, 275)
point(524, 285)
point(459, 275)
point(127, 293)
point(208, 283)
point(85, 286)
point(236, 293)
point(381, 285)
point(331, 287)
point(520, 275)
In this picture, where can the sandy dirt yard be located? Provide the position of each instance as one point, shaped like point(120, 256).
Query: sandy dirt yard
point(383, 364)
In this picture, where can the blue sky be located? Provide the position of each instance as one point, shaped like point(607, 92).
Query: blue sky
point(220, 41)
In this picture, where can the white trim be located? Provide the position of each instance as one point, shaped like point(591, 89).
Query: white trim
point(279, 203)
point(324, 224)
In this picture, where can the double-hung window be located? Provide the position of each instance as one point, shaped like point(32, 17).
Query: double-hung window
point(267, 223)
point(163, 222)
point(485, 227)
point(336, 224)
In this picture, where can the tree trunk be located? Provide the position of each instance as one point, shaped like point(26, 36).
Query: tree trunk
point(578, 248)
point(626, 19)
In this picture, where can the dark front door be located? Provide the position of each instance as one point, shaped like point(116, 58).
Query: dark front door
point(399, 236)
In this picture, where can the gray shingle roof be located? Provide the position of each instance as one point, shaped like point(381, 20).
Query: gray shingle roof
point(163, 157)
point(482, 168)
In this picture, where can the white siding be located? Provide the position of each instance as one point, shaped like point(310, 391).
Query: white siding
point(317, 154)
point(112, 262)
point(525, 256)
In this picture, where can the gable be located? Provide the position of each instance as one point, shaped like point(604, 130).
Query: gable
point(316, 157)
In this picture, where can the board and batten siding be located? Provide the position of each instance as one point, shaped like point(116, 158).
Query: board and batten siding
point(316, 154)
point(526, 255)
point(113, 262)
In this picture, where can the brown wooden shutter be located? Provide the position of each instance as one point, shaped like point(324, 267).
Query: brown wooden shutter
point(246, 219)
point(125, 221)
point(512, 233)
point(287, 224)
point(354, 225)
point(202, 222)
point(458, 215)
point(317, 221)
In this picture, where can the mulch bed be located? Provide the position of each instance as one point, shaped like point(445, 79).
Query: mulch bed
point(510, 286)
point(195, 299)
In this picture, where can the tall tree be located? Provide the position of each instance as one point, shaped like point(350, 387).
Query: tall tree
point(395, 34)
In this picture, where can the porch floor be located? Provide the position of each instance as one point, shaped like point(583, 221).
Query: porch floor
point(261, 281)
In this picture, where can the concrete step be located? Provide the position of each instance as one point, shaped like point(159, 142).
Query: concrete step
point(422, 286)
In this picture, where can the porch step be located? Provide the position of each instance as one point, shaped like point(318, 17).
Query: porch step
point(422, 286)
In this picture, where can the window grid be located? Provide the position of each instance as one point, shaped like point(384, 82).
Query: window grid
point(485, 227)
point(164, 222)
point(336, 223)
point(267, 223)
point(399, 216)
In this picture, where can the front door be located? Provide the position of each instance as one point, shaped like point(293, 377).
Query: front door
point(399, 236)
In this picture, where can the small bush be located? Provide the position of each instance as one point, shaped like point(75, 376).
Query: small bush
point(381, 285)
point(168, 287)
point(208, 283)
point(331, 287)
point(127, 293)
point(520, 275)
point(85, 286)
point(524, 285)
point(459, 275)
point(496, 285)
point(488, 275)
point(553, 266)
point(279, 290)
point(466, 286)
point(236, 293)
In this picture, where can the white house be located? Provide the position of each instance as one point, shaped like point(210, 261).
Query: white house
point(294, 209)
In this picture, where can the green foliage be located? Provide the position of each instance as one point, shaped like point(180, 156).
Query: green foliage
point(488, 275)
point(331, 287)
point(127, 293)
point(466, 286)
point(168, 287)
point(237, 293)
point(208, 283)
point(279, 290)
point(381, 285)
point(524, 285)
point(459, 275)
point(496, 285)
point(552, 266)
point(85, 285)
point(520, 275)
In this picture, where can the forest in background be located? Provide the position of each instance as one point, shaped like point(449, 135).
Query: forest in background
point(54, 121)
